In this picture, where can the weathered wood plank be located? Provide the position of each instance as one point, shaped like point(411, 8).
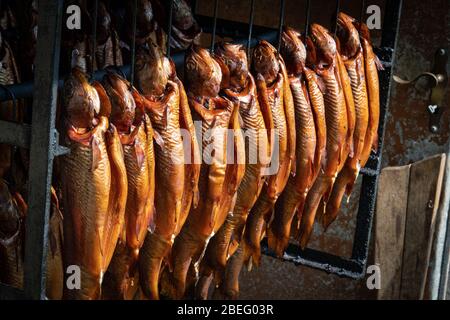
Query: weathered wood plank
point(390, 217)
point(423, 200)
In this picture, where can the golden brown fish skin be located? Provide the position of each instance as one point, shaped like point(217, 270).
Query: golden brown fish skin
point(352, 56)
point(137, 142)
point(55, 266)
point(94, 189)
point(274, 97)
point(204, 219)
point(295, 192)
point(12, 215)
point(169, 171)
point(336, 123)
point(152, 72)
point(233, 62)
point(230, 234)
point(371, 67)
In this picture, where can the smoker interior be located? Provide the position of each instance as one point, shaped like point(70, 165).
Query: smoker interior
point(42, 138)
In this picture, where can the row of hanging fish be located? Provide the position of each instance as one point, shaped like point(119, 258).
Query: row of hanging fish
point(169, 189)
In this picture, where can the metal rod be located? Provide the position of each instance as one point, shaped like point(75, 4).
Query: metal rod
point(169, 27)
point(308, 15)
point(281, 22)
point(250, 27)
point(363, 11)
point(42, 146)
point(94, 37)
point(338, 7)
point(133, 41)
point(213, 36)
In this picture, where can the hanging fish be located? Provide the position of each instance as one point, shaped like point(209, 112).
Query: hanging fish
point(352, 58)
point(135, 132)
point(94, 183)
point(213, 113)
point(294, 195)
point(327, 69)
point(12, 219)
point(162, 104)
point(276, 102)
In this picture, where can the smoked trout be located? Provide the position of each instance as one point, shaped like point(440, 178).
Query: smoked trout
point(351, 55)
point(276, 102)
point(135, 132)
point(12, 229)
point(213, 113)
point(162, 104)
point(94, 186)
point(327, 69)
point(294, 195)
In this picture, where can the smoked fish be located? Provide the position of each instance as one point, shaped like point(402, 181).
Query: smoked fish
point(94, 186)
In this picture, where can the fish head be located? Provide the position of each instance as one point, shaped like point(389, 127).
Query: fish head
point(144, 17)
point(182, 15)
point(234, 59)
point(324, 43)
point(265, 61)
point(348, 35)
point(293, 51)
point(81, 100)
point(203, 73)
point(363, 30)
point(152, 69)
point(8, 211)
point(123, 106)
point(104, 23)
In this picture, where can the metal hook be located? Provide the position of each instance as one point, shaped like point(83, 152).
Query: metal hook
point(250, 28)
point(213, 37)
point(94, 39)
point(438, 78)
point(169, 28)
point(438, 88)
point(338, 6)
point(281, 22)
point(307, 20)
point(133, 42)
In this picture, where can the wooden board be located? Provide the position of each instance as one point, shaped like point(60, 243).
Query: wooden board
point(423, 200)
point(390, 217)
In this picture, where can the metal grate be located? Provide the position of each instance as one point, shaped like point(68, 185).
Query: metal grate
point(42, 138)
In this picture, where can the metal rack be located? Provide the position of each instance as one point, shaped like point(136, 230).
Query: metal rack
point(42, 139)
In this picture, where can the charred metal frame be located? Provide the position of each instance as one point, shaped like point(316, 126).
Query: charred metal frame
point(42, 139)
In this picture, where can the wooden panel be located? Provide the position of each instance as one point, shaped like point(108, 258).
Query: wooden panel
point(390, 218)
point(423, 200)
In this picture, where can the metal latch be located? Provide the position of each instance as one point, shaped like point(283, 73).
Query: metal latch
point(438, 82)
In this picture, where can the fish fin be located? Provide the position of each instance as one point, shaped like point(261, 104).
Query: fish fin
point(378, 63)
point(321, 84)
point(158, 139)
point(375, 142)
point(139, 153)
point(96, 153)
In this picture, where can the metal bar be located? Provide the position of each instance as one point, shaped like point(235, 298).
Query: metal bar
point(338, 7)
point(213, 36)
point(15, 134)
point(94, 37)
point(133, 41)
point(307, 19)
point(319, 260)
point(169, 27)
point(250, 28)
point(42, 146)
point(281, 23)
point(369, 189)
